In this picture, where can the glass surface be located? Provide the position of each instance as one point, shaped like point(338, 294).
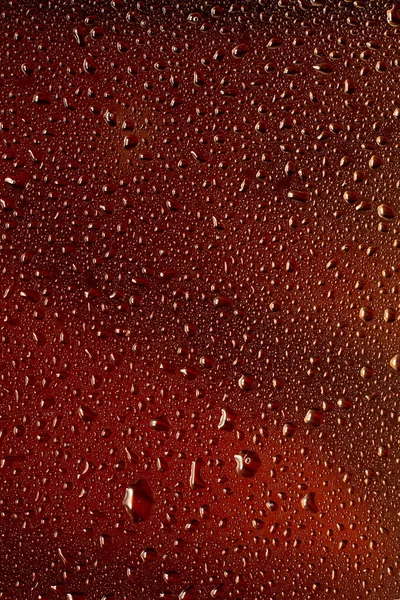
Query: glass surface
point(200, 337)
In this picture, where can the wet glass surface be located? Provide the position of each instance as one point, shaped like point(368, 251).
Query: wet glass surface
point(199, 297)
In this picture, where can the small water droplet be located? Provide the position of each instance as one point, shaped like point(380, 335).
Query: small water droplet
point(247, 463)
point(308, 502)
point(139, 501)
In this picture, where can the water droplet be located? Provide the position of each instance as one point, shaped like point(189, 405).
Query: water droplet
point(385, 211)
point(196, 480)
point(240, 50)
point(308, 502)
point(160, 423)
point(393, 15)
point(366, 313)
point(247, 463)
point(314, 417)
point(139, 501)
point(289, 429)
point(395, 362)
point(246, 383)
point(228, 419)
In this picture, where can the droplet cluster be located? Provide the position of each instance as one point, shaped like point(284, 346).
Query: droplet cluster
point(199, 299)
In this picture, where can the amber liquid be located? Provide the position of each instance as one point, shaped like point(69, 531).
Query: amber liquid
point(200, 293)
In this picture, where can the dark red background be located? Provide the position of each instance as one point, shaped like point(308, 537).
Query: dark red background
point(150, 283)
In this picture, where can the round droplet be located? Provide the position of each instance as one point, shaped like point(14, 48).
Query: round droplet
point(247, 463)
point(289, 430)
point(228, 418)
point(149, 555)
point(300, 196)
point(366, 313)
point(393, 15)
point(240, 51)
point(325, 67)
point(350, 197)
point(160, 423)
point(246, 383)
point(130, 141)
point(375, 162)
point(367, 372)
point(308, 502)
point(385, 211)
point(395, 362)
point(139, 501)
point(272, 506)
point(89, 65)
point(390, 315)
point(314, 417)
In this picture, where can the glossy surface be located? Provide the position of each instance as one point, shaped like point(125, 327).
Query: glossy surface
point(199, 300)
